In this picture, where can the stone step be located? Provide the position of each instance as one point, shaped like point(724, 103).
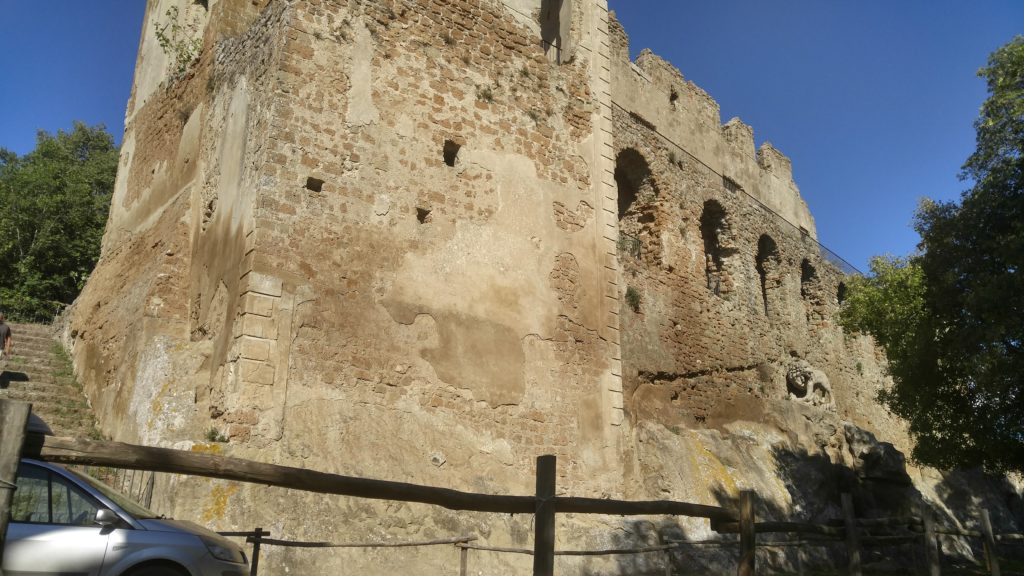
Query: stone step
point(63, 396)
point(24, 352)
point(21, 346)
point(53, 388)
point(15, 378)
point(32, 362)
point(21, 338)
point(58, 412)
point(39, 373)
point(31, 327)
point(20, 351)
point(71, 427)
point(33, 346)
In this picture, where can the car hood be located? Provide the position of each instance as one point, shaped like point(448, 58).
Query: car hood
point(170, 525)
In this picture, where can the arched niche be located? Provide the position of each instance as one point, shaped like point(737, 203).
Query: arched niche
point(633, 181)
point(768, 265)
point(713, 231)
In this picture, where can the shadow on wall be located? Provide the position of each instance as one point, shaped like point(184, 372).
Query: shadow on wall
point(555, 18)
point(880, 487)
point(965, 493)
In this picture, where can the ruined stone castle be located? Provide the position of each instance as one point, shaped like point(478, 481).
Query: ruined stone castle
point(428, 241)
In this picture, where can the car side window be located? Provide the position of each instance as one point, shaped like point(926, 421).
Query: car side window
point(45, 497)
point(31, 502)
point(69, 505)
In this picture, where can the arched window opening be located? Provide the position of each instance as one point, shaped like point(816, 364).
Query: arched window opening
point(555, 22)
point(712, 231)
point(634, 182)
point(808, 279)
point(636, 194)
point(841, 293)
point(767, 264)
point(813, 293)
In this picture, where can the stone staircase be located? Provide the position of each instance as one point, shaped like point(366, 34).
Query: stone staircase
point(40, 372)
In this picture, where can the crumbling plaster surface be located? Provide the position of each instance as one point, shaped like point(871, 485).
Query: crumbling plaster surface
point(180, 216)
point(383, 238)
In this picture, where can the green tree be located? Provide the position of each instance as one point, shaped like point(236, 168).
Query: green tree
point(951, 319)
point(53, 207)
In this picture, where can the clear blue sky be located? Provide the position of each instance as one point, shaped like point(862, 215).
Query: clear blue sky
point(65, 60)
point(872, 99)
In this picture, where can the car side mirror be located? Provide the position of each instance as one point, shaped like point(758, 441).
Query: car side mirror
point(106, 517)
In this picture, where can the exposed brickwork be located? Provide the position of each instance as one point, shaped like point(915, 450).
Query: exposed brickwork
point(573, 220)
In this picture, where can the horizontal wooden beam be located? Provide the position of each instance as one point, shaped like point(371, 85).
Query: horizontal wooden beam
point(887, 540)
point(130, 456)
point(879, 522)
point(784, 527)
point(641, 508)
point(121, 455)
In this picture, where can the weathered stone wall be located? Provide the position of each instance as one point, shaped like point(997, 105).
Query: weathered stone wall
point(363, 237)
point(179, 218)
point(429, 241)
point(732, 287)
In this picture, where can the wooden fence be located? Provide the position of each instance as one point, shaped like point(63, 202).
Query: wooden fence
point(909, 530)
point(544, 504)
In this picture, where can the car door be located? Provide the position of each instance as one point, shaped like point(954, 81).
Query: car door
point(51, 530)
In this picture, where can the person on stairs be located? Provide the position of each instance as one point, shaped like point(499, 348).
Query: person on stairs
point(6, 343)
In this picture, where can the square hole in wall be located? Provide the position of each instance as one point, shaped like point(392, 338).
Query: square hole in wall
point(451, 152)
point(314, 184)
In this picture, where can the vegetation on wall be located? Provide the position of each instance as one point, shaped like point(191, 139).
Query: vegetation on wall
point(951, 318)
point(53, 208)
point(633, 299)
point(174, 40)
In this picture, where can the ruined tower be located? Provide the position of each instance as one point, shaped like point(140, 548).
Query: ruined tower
point(428, 241)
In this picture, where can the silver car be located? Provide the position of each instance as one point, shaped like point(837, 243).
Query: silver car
point(66, 523)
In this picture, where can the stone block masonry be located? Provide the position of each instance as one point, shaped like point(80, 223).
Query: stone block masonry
point(385, 238)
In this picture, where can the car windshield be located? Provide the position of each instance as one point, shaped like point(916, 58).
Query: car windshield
point(137, 510)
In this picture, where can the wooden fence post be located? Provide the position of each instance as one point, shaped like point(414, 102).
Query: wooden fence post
point(13, 418)
point(256, 539)
point(852, 542)
point(931, 550)
point(544, 518)
point(990, 543)
point(747, 565)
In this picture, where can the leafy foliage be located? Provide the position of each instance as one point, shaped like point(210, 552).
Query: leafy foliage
point(53, 207)
point(890, 305)
point(951, 319)
point(633, 299)
point(174, 40)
